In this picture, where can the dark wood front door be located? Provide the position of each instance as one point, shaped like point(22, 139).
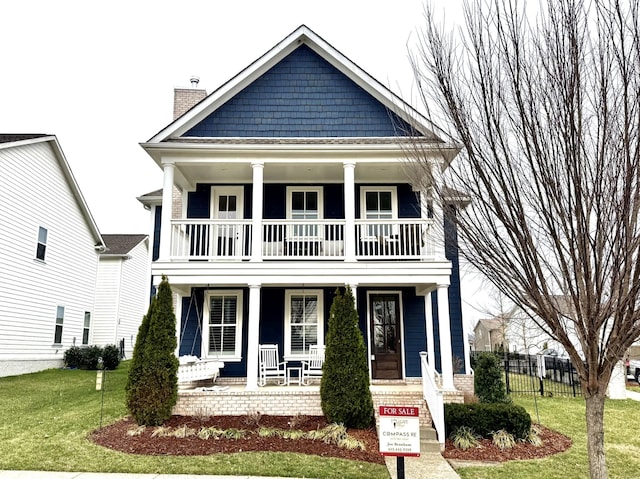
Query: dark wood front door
point(385, 336)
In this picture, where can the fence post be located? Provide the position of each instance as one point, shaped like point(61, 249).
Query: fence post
point(506, 374)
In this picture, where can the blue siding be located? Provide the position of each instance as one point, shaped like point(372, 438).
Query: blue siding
point(157, 222)
point(302, 96)
point(408, 202)
point(458, 342)
point(199, 201)
point(414, 331)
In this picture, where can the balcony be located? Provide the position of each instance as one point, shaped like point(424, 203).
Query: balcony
point(229, 240)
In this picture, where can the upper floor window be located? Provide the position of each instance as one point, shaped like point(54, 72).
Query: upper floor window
point(41, 248)
point(57, 335)
point(223, 331)
point(303, 203)
point(86, 328)
point(379, 203)
point(303, 321)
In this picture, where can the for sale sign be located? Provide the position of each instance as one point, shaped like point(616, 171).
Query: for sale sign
point(399, 431)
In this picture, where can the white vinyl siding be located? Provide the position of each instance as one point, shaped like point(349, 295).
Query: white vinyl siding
point(122, 298)
point(222, 335)
point(303, 322)
point(34, 192)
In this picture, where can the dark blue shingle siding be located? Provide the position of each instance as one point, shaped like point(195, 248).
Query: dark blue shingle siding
point(302, 96)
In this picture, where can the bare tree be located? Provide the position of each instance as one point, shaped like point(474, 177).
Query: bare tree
point(548, 114)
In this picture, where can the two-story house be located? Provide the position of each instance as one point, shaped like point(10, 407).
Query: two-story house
point(291, 180)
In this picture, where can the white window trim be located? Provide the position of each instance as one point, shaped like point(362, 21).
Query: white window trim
point(61, 324)
point(295, 189)
point(363, 205)
point(377, 189)
point(287, 320)
point(38, 243)
point(237, 355)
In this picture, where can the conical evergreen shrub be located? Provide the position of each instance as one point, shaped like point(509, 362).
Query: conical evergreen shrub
point(344, 389)
point(152, 385)
point(488, 379)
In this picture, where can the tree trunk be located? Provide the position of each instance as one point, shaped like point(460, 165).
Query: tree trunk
point(595, 436)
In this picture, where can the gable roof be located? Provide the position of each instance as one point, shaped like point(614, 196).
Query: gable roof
point(12, 137)
point(299, 40)
point(489, 324)
point(121, 245)
point(21, 139)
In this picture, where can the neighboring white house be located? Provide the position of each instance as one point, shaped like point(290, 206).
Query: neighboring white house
point(123, 291)
point(49, 248)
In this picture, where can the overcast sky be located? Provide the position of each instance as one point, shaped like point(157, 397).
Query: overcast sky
point(100, 75)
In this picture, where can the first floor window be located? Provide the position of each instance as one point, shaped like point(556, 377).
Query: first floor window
point(57, 336)
point(223, 332)
point(303, 321)
point(86, 328)
point(41, 247)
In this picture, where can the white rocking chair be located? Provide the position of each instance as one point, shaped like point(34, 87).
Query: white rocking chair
point(312, 366)
point(270, 365)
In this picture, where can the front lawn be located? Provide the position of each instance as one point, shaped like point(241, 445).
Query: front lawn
point(45, 418)
point(622, 442)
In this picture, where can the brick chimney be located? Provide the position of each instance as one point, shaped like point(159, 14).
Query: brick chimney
point(185, 98)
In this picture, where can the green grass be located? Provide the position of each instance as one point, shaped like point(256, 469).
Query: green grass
point(567, 415)
point(45, 419)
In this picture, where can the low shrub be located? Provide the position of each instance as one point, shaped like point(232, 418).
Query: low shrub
point(110, 356)
point(503, 440)
point(88, 357)
point(486, 418)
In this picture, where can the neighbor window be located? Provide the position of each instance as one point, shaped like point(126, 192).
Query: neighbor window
point(86, 328)
point(57, 336)
point(41, 248)
point(303, 321)
point(223, 334)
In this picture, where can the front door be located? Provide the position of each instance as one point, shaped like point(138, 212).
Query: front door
point(384, 311)
point(227, 205)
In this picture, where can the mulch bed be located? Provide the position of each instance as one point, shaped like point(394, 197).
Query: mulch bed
point(552, 443)
point(115, 437)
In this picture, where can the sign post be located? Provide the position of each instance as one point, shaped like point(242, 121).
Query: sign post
point(399, 434)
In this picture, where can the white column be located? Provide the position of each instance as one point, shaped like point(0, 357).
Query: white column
point(349, 211)
point(256, 211)
point(167, 207)
point(253, 337)
point(446, 357)
point(354, 291)
point(428, 318)
point(437, 233)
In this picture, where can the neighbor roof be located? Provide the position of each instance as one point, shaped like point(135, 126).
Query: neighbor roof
point(120, 245)
point(11, 137)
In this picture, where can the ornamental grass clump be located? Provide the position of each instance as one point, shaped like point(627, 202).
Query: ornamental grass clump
point(465, 438)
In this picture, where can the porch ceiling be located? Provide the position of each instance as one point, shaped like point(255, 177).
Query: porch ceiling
point(294, 171)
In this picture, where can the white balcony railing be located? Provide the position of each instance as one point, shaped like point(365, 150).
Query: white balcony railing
point(433, 396)
point(210, 239)
point(310, 239)
point(193, 239)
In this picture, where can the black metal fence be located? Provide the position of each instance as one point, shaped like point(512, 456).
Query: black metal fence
point(536, 374)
